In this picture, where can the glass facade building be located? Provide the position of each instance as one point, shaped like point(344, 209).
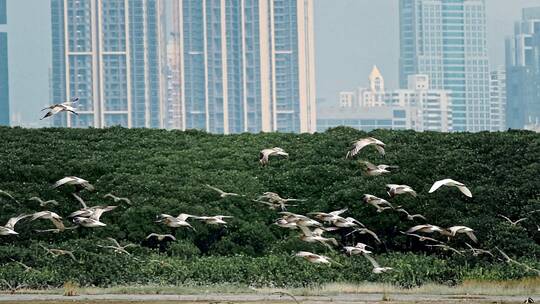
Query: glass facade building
point(523, 71)
point(245, 65)
point(4, 81)
point(446, 40)
point(110, 54)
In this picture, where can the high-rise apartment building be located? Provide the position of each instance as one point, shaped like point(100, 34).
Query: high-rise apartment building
point(423, 108)
point(523, 71)
point(245, 65)
point(446, 40)
point(110, 54)
point(4, 81)
point(497, 95)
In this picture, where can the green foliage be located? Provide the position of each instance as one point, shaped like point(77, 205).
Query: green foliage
point(165, 172)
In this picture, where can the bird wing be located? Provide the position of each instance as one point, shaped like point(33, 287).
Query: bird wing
point(306, 231)
point(471, 235)
point(465, 191)
point(151, 235)
point(339, 212)
point(370, 166)
point(372, 234)
point(419, 216)
point(371, 260)
point(36, 199)
point(80, 200)
point(358, 145)
point(520, 220)
point(115, 242)
point(12, 221)
point(9, 196)
point(63, 181)
point(184, 216)
point(506, 218)
point(97, 214)
point(70, 254)
point(437, 185)
point(58, 224)
point(215, 189)
point(403, 210)
point(170, 236)
point(38, 215)
point(380, 149)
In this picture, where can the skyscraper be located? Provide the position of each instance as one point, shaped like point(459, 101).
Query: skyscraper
point(497, 95)
point(110, 54)
point(446, 40)
point(4, 81)
point(246, 65)
point(425, 109)
point(523, 71)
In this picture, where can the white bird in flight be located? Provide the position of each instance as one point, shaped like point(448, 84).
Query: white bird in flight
point(9, 227)
point(376, 267)
point(376, 170)
point(315, 258)
point(53, 217)
point(214, 220)
point(451, 183)
point(463, 229)
point(93, 220)
point(411, 217)
point(426, 228)
point(222, 193)
point(393, 190)
point(364, 142)
point(266, 153)
point(43, 203)
point(513, 223)
point(61, 107)
point(328, 217)
point(316, 236)
point(73, 180)
point(117, 247)
point(176, 222)
point(359, 248)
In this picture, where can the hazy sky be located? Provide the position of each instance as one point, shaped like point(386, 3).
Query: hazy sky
point(351, 36)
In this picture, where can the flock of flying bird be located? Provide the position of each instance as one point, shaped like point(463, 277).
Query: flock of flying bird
point(312, 226)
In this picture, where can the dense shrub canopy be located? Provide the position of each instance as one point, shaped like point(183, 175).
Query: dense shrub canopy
point(165, 172)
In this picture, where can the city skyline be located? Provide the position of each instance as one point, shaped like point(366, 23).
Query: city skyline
point(109, 55)
point(333, 72)
point(4, 78)
point(244, 66)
